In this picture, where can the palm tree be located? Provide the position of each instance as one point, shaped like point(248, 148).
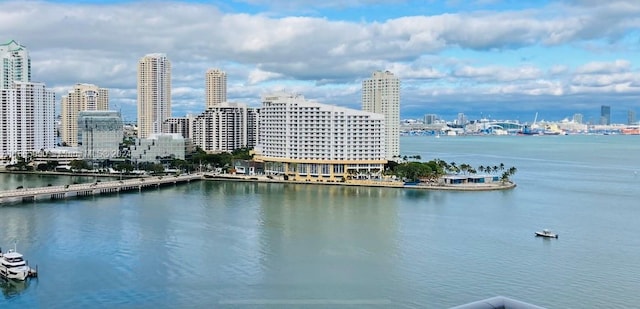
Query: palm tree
point(481, 168)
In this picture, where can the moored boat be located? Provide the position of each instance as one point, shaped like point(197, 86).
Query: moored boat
point(631, 130)
point(546, 233)
point(13, 266)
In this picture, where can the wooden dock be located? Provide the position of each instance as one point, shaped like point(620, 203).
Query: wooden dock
point(95, 188)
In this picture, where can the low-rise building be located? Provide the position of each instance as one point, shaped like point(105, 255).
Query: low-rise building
point(100, 134)
point(158, 148)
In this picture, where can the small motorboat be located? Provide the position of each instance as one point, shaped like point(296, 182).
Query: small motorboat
point(546, 233)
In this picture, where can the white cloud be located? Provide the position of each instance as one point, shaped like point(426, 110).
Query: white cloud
point(319, 57)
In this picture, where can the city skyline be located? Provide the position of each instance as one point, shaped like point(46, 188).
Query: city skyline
point(501, 58)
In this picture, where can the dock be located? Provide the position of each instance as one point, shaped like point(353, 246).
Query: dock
point(95, 188)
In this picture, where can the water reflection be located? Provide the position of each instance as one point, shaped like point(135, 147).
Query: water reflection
point(12, 288)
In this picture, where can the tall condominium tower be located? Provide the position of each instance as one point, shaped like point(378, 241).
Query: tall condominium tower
point(154, 93)
point(27, 116)
point(83, 97)
point(27, 109)
point(381, 95)
point(605, 115)
point(15, 64)
point(226, 127)
point(216, 87)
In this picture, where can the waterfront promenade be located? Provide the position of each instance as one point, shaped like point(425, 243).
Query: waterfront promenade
point(94, 188)
point(141, 183)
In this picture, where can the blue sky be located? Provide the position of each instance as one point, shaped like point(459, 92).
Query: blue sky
point(504, 59)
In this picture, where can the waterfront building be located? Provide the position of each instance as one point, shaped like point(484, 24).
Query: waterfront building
point(381, 95)
point(154, 93)
point(226, 127)
point(310, 141)
point(27, 122)
point(158, 148)
point(15, 64)
point(605, 115)
point(83, 97)
point(100, 134)
point(215, 87)
point(631, 117)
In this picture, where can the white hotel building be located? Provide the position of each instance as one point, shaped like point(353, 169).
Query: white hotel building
point(309, 141)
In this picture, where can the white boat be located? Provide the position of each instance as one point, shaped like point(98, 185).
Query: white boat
point(546, 233)
point(13, 266)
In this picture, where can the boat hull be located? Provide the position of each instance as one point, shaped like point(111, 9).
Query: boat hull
point(550, 235)
point(15, 273)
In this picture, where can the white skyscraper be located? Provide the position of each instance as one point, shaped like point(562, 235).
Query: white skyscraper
point(154, 93)
point(15, 64)
point(381, 95)
point(83, 97)
point(27, 109)
point(216, 87)
point(26, 120)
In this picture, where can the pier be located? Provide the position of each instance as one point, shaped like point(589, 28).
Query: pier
point(95, 188)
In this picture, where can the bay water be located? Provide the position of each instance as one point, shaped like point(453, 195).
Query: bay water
point(213, 244)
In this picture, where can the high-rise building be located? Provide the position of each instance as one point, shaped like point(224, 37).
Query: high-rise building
point(180, 125)
point(605, 115)
point(225, 127)
point(100, 133)
point(381, 95)
point(311, 141)
point(15, 64)
point(154, 93)
point(27, 109)
point(430, 118)
point(577, 118)
point(83, 97)
point(215, 87)
point(27, 116)
point(631, 117)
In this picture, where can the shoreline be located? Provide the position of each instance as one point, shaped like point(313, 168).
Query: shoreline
point(363, 183)
point(264, 179)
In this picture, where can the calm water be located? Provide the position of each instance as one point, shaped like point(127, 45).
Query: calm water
point(244, 245)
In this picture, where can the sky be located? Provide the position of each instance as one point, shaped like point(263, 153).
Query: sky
point(501, 59)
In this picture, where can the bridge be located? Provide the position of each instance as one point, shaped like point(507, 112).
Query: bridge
point(95, 188)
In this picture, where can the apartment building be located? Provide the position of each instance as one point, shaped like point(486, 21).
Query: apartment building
point(226, 127)
point(381, 95)
point(215, 87)
point(154, 93)
point(83, 97)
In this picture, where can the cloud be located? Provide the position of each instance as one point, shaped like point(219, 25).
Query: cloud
point(323, 57)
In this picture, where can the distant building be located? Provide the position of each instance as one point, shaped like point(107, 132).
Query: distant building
point(15, 64)
point(27, 124)
point(631, 117)
point(461, 120)
point(158, 148)
point(381, 95)
point(100, 134)
point(215, 87)
point(83, 97)
point(430, 118)
point(154, 93)
point(226, 127)
point(578, 118)
point(605, 115)
point(306, 140)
